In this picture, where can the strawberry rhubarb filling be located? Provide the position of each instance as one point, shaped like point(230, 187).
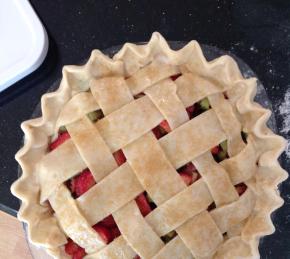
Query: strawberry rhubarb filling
point(81, 183)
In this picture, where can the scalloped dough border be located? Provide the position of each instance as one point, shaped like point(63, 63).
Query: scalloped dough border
point(127, 61)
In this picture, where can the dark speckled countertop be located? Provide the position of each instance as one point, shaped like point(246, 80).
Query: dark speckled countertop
point(256, 31)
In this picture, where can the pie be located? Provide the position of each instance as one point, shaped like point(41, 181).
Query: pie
point(154, 153)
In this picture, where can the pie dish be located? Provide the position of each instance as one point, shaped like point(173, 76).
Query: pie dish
point(154, 153)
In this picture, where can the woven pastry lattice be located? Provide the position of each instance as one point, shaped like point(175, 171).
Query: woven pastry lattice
point(230, 230)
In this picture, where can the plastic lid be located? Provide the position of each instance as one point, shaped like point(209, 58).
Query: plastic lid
point(23, 41)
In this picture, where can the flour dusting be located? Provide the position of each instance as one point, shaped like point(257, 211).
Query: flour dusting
point(287, 149)
point(284, 112)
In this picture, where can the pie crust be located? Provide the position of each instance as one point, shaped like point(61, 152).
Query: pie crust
point(231, 230)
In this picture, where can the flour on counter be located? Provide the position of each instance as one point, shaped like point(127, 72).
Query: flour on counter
point(284, 112)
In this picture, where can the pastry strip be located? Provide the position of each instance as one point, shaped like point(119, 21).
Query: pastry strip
point(216, 178)
point(130, 221)
point(173, 213)
point(164, 96)
point(242, 166)
point(157, 176)
point(232, 214)
point(130, 122)
point(234, 247)
point(191, 88)
point(229, 122)
point(201, 235)
point(72, 221)
point(92, 148)
point(192, 139)
point(115, 250)
point(174, 249)
point(111, 93)
point(77, 107)
point(109, 194)
point(58, 166)
point(150, 75)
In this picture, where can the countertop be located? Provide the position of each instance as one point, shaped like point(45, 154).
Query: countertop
point(13, 242)
point(256, 31)
point(12, 239)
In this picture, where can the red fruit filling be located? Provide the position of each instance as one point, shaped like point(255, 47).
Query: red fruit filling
point(119, 157)
point(60, 139)
point(220, 152)
point(241, 188)
point(197, 109)
point(115, 232)
point(161, 130)
point(187, 178)
point(104, 233)
point(190, 111)
point(195, 176)
point(188, 168)
point(108, 222)
point(107, 230)
point(173, 78)
point(81, 183)
point(215, 150)
point(79, 254)
point(143, 204)
point(71, 248)
point(188, 173)
point(165, 126)
point(156, 131)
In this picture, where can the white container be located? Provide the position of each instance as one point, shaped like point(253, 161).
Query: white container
point(23, 41)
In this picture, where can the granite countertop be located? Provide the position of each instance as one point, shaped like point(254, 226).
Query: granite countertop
point(256, 31)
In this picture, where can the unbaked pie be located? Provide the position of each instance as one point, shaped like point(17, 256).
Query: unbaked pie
point(154, 153)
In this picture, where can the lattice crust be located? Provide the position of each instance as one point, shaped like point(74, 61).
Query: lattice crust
point(230, 230)
point(217, 179)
